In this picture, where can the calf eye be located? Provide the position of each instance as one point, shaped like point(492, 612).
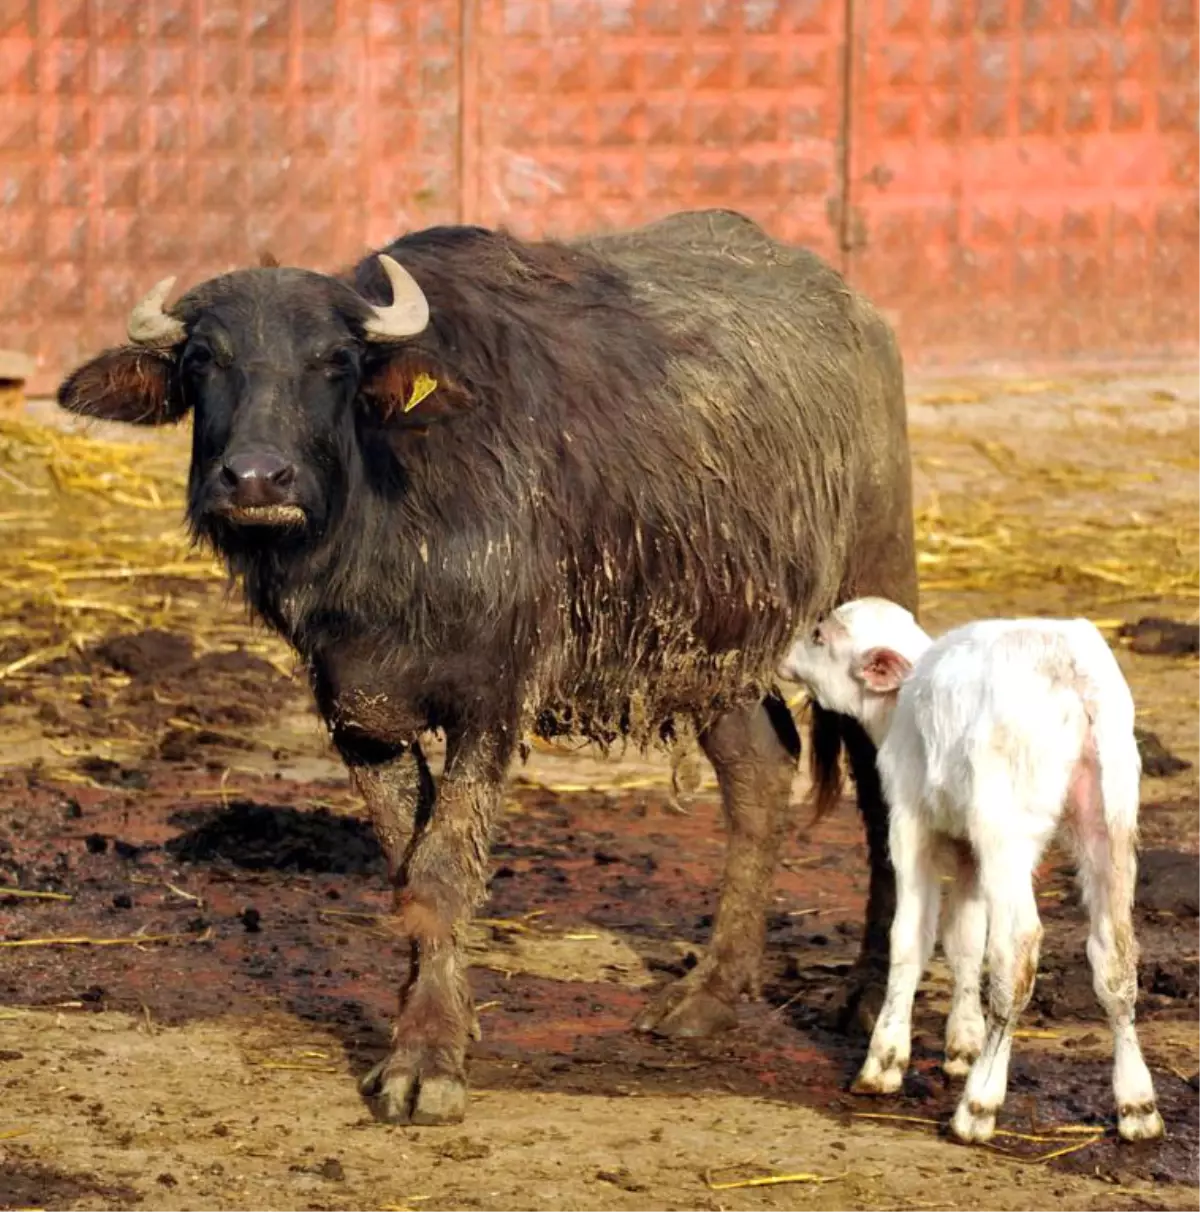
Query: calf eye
point(817, 640)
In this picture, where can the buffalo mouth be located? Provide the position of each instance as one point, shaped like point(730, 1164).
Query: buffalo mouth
point(264, 515)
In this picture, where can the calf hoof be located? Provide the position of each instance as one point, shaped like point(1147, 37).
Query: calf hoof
point(402, 1094)
point(972, 1123)
point(880, 1077)
point(684, 1011)
point(958, 1064)
point(1139, 1121)
point(965, 1033)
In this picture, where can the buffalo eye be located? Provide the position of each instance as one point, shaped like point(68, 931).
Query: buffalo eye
point(198, 358)
point(338, 362)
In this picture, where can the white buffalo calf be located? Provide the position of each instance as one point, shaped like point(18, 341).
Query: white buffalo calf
point(989, 738)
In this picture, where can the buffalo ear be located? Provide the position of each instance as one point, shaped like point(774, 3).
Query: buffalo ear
point(131, 384)
point(406, 390)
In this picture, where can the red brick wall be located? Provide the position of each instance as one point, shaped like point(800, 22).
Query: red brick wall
point(1012, 180)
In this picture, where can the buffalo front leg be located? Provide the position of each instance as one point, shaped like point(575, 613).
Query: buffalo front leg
point(398, 791)
point(754, 752)
point(442, 880)
point(868, 983)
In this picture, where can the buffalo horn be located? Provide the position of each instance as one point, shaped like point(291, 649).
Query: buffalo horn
point(408, 313)
point(150, 325)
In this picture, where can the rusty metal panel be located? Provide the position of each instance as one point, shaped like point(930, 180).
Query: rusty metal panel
point(1021, 174)
point(595, 114)
point(1024, 176)
point(186, 137)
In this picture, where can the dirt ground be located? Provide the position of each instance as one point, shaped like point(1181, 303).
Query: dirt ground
point(186, 1005)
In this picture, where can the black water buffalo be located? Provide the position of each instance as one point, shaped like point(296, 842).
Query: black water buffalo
point(589, 487)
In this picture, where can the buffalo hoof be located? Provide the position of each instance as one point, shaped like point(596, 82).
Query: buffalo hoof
point(403, 1094)
point(684, 1011)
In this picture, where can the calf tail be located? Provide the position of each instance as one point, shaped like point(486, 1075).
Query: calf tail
point(1120, 764)
point(1107, 849)
point(825, 761)
point(1110, 712)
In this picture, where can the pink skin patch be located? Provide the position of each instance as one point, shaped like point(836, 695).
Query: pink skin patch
point(1085, 812)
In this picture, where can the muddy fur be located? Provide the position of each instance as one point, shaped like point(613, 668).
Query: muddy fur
point(670, 442)
point(662, 452)
point(648, 459)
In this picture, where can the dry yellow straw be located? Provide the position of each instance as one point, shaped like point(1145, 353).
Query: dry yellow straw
point(294, 1066)
point(907, 1119)
point(1048, 1136)
point(770, 1180)
point(1052, 1155)
point(84, 941)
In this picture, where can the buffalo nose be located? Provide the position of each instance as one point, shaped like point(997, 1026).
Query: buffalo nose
point(257, 478)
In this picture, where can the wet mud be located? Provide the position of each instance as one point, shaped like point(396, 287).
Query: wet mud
point(275, 903)
point(197, 966)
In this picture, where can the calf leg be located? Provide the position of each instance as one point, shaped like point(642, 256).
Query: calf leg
point(754, 752)
point(914, 931)
point(1014, 941)
point(964, 938)
point(442, 880)
point(1108, 873)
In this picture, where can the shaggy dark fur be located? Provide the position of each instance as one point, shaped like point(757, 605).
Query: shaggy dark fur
point(649, 459)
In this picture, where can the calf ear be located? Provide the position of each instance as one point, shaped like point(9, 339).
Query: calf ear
point(131, 384)
point(404, 389)
point(883, 669)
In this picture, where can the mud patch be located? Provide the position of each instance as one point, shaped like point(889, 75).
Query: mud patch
point(1168, 983)
point(1156, 636)
point(30, 1185)
point(1069, 1091)
point(1158, 762)
point(152, 686)
point(1169, 882)
point(272, 837)
point(147, 655)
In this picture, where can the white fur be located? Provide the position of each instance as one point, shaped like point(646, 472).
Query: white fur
point(989, 738)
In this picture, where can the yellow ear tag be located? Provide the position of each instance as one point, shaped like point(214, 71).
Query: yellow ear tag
point(423, 385)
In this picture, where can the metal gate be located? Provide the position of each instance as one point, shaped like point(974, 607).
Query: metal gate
point(584, 116)
point(1009, 179)
point(1024, 176)
point(140, 139)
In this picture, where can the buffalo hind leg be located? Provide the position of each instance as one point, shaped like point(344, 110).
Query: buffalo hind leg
point(754, 752)
point(442, 882)
point(868, 983)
